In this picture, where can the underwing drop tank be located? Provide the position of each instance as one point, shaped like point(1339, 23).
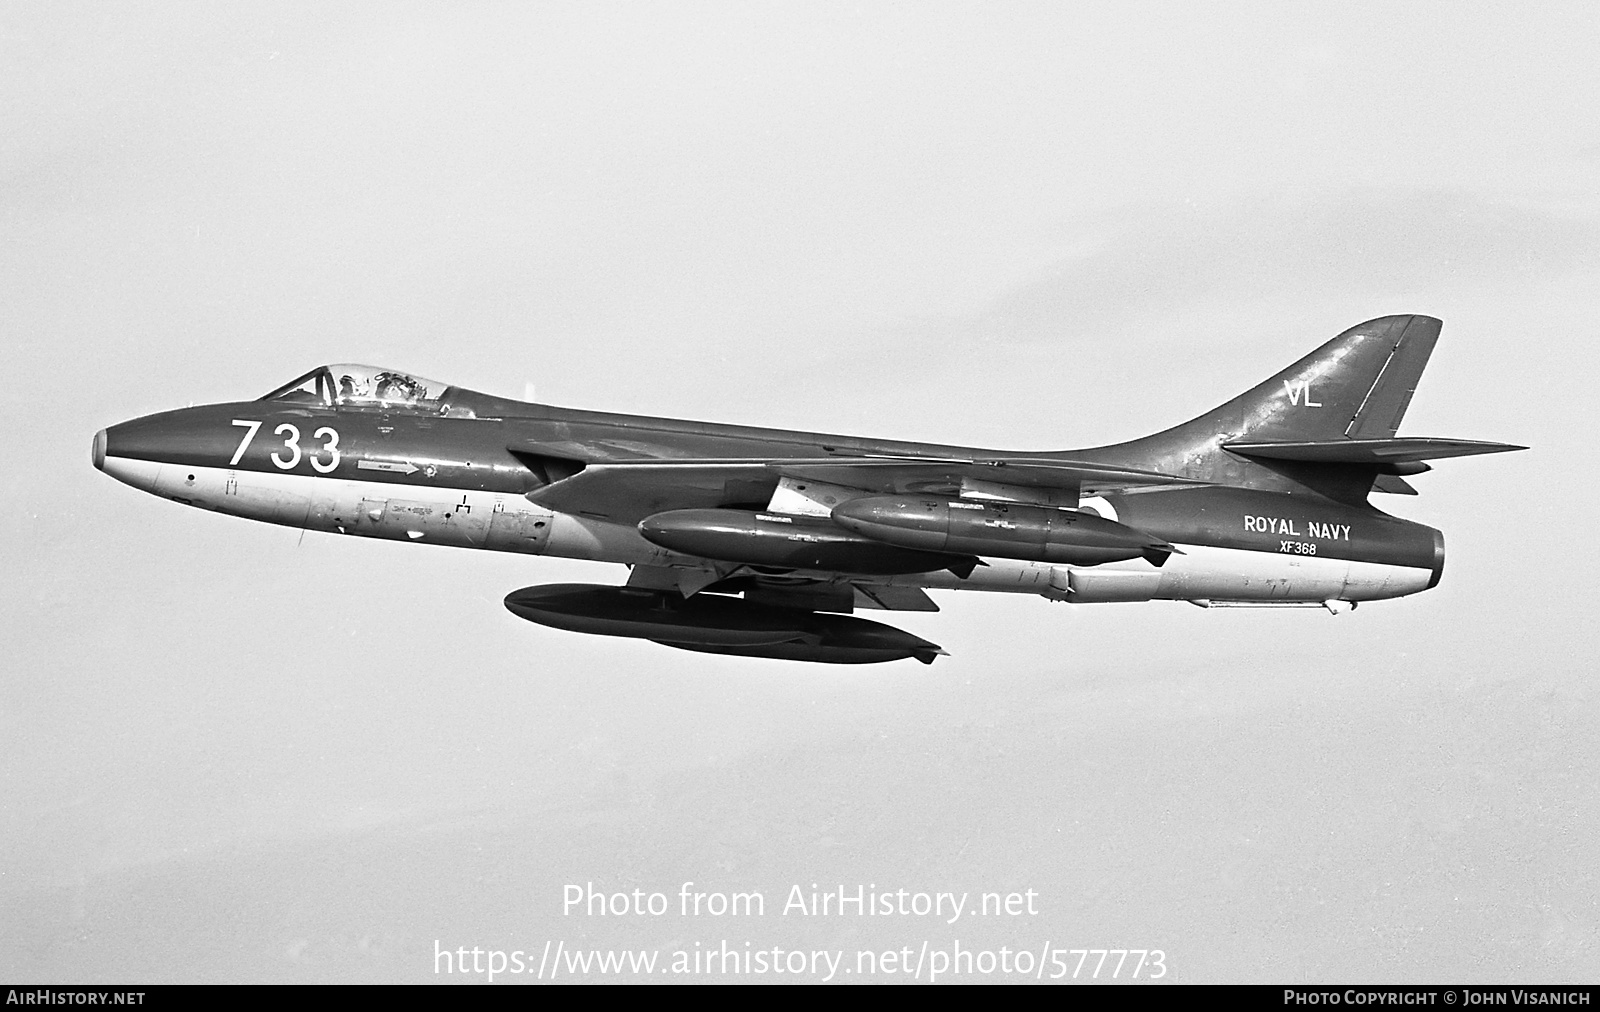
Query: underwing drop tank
point(780, 541)
point(999, 530)
point(711, 623)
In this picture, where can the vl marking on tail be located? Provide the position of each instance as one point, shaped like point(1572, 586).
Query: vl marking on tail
point(1299, 390)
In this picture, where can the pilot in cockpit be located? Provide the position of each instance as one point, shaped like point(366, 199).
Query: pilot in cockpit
point(395, 386)
point(362, 386)
point(350, 389)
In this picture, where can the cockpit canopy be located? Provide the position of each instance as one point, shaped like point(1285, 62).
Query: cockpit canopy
point(362, 386)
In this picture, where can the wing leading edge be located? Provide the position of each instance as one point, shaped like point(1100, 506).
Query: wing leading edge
point(629, 491)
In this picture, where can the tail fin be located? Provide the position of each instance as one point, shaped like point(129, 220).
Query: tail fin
point(1356, 386)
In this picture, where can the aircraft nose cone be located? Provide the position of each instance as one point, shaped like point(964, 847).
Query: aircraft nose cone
point(131, 451)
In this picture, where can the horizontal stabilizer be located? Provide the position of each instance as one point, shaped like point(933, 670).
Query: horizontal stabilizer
point(1396, 450)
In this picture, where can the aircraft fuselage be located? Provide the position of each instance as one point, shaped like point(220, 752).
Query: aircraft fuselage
point(454, 480)
point(752, 542)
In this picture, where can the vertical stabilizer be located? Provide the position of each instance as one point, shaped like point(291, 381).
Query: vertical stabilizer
point(1357, 385)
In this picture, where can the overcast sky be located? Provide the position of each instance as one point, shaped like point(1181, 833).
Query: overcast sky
point(230, 753)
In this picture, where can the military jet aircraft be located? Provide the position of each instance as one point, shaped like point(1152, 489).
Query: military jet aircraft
point(762, 542)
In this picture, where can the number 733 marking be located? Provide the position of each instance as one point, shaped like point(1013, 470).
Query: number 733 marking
point(291, 443)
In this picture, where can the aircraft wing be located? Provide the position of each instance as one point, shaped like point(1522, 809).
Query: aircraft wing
point(918, 474)
point(629, 491)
